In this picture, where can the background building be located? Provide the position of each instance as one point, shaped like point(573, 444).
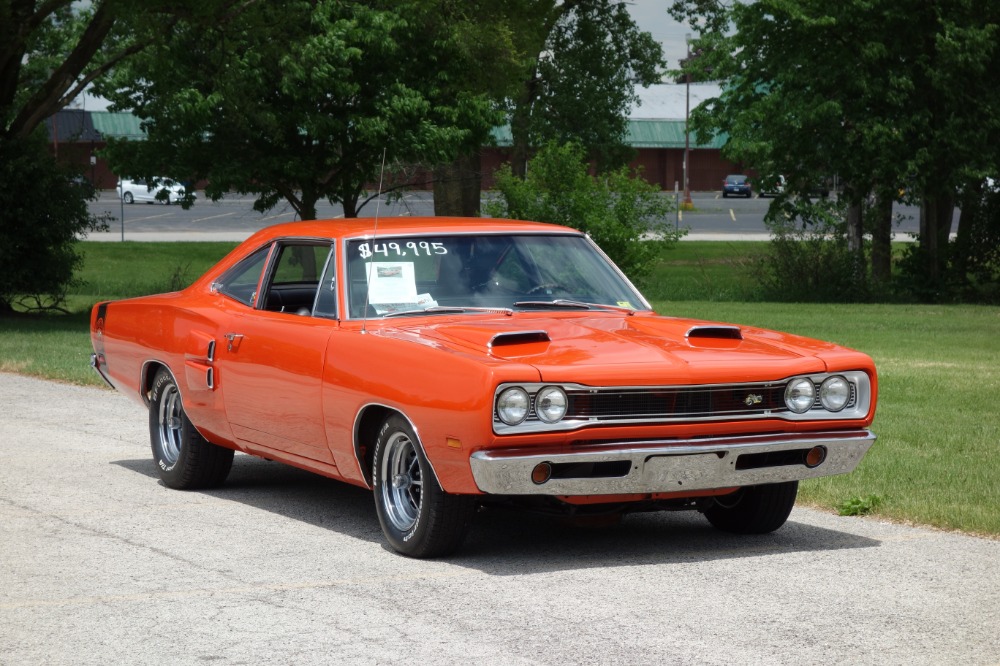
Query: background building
point(656, 130)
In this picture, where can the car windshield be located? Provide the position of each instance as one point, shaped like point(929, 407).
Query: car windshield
point(395, 276)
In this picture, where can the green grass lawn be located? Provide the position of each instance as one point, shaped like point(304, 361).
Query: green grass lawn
point(936, 461)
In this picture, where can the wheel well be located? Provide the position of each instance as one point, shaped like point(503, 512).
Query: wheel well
point(366, 430)
point(149, 371)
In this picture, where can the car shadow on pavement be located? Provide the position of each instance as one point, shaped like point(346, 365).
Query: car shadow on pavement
point(503, 541)
point(289, 492)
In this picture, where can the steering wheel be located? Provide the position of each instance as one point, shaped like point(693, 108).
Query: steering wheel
point(538, 288)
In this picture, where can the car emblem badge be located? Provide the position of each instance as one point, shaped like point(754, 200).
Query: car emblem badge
point(753, 399)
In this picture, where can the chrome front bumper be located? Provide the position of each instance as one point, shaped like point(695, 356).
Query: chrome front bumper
point(669, 465)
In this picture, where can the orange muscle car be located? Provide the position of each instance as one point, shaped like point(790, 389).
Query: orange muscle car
point(448, 363)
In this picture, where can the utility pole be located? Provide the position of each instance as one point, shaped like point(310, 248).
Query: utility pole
point(687, 204)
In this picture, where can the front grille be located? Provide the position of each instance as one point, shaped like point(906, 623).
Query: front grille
point(693, 402)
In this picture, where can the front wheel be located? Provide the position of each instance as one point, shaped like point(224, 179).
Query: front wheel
point(184, 459)
point(418, 518)
point(754, 509)
point(128, 198)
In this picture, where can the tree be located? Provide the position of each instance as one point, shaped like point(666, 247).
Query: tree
point(299, 101)
point(44, 210)
point(49, 52)
point(582, 62)
point(890, 96)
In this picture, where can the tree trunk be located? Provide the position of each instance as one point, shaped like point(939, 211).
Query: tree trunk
point(519, 129)
point(457, 187)
point(882, 240)
point(350, 205)
point(935, 227)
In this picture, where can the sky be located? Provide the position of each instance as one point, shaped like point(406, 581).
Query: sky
point(652, 16)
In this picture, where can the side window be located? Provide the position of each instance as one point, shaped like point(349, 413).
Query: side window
point(242, 279)
point(294, 279)
point(299, 264)
point(326, 294)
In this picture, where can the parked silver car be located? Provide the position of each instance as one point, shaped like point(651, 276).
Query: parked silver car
point(164, 190)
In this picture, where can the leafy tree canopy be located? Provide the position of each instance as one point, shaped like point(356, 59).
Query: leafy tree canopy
point(50, 50)
point(582, 60)
point(300, 100)
point(894, 96)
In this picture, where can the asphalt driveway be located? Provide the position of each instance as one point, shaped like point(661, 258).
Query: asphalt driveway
point(100, 563)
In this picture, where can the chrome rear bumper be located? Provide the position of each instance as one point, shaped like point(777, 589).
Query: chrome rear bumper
point(669, 465)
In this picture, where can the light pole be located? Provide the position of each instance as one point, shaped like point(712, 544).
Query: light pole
point(688, 204)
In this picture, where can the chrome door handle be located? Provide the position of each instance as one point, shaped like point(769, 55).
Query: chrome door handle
point(234, 340)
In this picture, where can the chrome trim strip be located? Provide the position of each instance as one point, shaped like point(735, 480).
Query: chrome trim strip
point(668, 465)
point(94, 364)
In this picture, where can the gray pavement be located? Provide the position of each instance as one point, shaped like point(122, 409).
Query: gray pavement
point(233, 218)
point(101, 564)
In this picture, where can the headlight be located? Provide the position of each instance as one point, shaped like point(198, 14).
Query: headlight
point(512, 405)
point(834, 393)
point(800, 394)
point(550, 404)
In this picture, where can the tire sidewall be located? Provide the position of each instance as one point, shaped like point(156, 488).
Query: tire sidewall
point(410, 541)
point(170, 473)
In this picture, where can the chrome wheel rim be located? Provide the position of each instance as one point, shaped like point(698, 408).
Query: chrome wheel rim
point(402, 485)
point(171, 416)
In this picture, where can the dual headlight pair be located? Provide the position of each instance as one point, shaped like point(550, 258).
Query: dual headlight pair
point(834, 394)
point(514, 405)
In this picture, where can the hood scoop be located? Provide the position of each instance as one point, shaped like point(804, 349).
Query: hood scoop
point(517, 338)
point(714, 333)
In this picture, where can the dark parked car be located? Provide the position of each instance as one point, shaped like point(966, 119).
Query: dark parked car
point(736, 184)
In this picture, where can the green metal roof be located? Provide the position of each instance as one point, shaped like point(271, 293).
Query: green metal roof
point(640, 134)
point(664, 134)
point(118, 125)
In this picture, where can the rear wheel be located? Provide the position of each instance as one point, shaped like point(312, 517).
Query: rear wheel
point(754, 509)
point(418, 518)
point(184, 459)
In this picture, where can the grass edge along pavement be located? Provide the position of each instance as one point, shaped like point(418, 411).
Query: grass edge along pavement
point(935, 462)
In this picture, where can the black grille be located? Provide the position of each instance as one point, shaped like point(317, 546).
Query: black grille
point(676, 403)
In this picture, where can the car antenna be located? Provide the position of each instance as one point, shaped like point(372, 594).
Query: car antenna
point(368, 280)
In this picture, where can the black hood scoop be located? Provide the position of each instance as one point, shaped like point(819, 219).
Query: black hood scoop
point(715, 333)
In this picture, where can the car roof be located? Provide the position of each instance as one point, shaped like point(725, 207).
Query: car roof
point(389, 226)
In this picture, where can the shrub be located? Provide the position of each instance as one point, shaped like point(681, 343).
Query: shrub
point(809, 259)
point(624, 215)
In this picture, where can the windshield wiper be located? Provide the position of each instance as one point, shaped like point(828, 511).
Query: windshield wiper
point(576, 305)
point(448, 309)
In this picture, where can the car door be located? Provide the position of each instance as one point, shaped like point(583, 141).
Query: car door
point(272, 352)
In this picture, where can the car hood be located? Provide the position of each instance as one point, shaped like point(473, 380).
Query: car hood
point(608, 348)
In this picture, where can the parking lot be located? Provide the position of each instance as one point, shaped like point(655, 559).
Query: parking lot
point(234, 218)
point(100, 563)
